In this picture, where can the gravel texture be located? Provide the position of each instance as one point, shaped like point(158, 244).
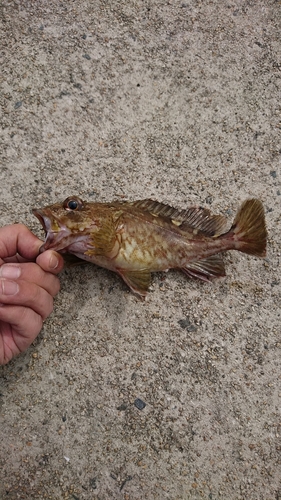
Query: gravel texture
point(177, 397)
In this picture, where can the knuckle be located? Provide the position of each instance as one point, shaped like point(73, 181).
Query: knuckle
point(30, 319)
point(22, 227)
point(34, 295)
point(24, 315)
point(53, 285)
point(48, 309)
point(56, 287)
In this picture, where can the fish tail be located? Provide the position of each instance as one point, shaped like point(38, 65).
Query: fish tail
point(248, 231)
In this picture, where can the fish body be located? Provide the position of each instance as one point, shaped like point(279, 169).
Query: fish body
point(135, 239)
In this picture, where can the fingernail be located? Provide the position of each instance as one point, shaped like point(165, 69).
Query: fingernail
point(9, 287)
point(53, 262)
point(10, 271)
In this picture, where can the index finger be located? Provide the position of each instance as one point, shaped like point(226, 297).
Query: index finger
point(17, 239)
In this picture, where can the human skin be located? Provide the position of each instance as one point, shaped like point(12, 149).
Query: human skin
point(28, 284)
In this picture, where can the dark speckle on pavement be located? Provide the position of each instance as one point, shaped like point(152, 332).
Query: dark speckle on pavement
point(139, 404)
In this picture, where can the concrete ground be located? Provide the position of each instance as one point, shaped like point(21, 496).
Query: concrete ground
point(177, 101)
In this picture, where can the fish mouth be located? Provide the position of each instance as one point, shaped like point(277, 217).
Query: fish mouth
point(54, 231)
point(43, 219)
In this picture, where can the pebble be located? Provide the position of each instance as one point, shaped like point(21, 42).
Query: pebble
point(93, 483)
point(122, 407)
point(139, 404)
point(186, 324)
point(209, 199)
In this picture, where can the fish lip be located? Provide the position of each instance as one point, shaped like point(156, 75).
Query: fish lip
point(43, 219)
point(46, 222)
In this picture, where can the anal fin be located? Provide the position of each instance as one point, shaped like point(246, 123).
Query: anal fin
point(137, 281)
point(206, 269)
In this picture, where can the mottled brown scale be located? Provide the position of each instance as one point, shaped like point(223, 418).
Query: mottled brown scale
point(137, 238)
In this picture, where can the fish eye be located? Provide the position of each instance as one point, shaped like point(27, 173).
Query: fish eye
point(73, 204)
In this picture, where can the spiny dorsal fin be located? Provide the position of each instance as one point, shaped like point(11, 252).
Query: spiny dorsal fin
point(156, 208)
point(194, 217)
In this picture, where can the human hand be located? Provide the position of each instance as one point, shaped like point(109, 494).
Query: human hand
point(28, 283)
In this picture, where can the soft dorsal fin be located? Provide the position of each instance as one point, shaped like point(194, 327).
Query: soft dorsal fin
point(194, 217)
point(203, 220)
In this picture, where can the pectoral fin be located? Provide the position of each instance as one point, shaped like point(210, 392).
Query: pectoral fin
point(102, 240)
point(137, 281)
point(206, 269)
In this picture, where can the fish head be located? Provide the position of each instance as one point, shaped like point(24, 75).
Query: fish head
point(67, 225)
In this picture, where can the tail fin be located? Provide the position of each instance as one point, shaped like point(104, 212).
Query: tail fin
point(248, 230)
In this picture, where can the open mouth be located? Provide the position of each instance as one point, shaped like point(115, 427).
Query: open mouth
point(46, 223)
point(57, 235)
point(43, 219)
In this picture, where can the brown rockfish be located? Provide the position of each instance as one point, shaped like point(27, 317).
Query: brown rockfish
point(137, 238)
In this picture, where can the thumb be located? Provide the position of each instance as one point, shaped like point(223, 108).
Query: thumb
point(50, 261)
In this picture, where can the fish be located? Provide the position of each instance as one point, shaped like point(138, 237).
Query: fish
point(137, 238)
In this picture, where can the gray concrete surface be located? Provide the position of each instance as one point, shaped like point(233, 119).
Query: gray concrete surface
point(180, 102)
